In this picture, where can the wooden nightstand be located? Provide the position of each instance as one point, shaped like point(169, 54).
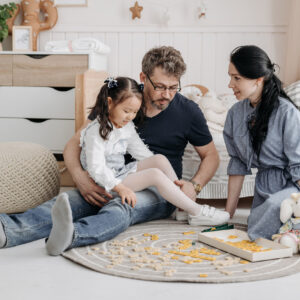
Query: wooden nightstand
point(37, 96)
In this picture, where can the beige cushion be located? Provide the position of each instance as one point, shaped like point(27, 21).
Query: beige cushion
point(28, 176)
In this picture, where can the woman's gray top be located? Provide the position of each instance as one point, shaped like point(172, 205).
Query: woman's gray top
point(279, 160)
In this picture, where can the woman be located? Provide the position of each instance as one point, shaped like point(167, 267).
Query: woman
point(261, 131)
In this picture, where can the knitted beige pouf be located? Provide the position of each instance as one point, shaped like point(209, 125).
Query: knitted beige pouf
point(28, 176)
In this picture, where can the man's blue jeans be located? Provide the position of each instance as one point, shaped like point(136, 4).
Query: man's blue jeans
point(91, 224)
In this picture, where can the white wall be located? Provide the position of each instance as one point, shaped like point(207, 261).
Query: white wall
point(205, 43)
point(183, 13)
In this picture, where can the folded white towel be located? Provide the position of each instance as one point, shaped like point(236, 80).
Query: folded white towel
point(58, 46)
point(77, 45)
point(90, 44)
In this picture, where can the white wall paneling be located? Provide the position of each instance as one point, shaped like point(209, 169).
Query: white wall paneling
point(138, 51)
point(206, 50)
point(205, 43)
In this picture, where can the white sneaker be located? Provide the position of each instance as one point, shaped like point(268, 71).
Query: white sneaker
point(209, 216)
point(181, 215)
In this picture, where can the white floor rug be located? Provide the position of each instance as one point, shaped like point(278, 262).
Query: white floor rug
point(143, 252)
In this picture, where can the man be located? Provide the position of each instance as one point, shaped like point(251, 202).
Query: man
point(162, 69)
point(171, 122)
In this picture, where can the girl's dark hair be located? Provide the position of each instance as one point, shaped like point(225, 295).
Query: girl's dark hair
point(126, 87)
point(252, 62)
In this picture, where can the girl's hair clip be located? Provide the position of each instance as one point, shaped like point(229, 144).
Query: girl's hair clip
point(141, 87)
point(111, 82)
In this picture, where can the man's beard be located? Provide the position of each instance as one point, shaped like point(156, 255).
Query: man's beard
point(157, 105)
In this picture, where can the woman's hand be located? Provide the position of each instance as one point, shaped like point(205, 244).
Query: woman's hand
point(90, 191)
point(126, 194)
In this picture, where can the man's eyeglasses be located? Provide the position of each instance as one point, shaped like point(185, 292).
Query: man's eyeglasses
point(162, 88)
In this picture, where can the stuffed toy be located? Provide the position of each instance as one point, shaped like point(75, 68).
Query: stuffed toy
point(290, 239)
point(212, 107)
point(289, 232)
point(31, 17)
point(291, 207)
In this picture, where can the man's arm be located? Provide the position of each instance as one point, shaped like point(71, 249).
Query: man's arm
point(208, 167)
point(90, 191)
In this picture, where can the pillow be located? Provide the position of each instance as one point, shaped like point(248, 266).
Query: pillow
point(293, 91)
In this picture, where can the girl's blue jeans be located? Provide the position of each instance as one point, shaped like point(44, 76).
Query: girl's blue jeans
point(92, 225)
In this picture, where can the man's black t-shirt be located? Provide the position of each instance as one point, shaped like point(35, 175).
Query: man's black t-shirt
point(169, 132)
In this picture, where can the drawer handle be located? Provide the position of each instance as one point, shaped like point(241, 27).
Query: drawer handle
point(34, 120)
point(37, 56)
point(59, 156)
point(62, 89)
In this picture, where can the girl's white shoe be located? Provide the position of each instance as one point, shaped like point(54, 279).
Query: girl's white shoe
point(209, 215)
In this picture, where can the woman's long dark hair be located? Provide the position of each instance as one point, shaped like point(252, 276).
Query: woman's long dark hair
point(125, 88)
point(252, 62)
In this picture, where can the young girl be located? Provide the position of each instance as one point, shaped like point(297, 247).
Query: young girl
point(261, 131)
point(106, 140)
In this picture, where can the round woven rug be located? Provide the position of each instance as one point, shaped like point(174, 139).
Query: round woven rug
point(150, 251)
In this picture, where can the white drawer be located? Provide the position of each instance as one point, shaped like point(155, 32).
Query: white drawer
point(37, 102)
point(52, 134)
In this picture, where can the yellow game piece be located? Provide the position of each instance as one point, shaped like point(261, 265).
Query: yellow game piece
point(203, 275)
point(192, 255)
point(244, 262)
point(218, 239)
point(185, 241)
point(232, 236)
point(154, 237)
point(209, 251)
point(188, 261)
point(185, 244)
point(248, 246)
point(189, 232)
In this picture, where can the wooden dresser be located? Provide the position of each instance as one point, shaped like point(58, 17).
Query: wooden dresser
point(37, 96)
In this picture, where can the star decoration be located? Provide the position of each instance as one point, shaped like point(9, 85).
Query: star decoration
point(136, 10)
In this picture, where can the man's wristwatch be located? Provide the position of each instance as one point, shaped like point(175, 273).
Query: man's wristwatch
point(197, 186)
